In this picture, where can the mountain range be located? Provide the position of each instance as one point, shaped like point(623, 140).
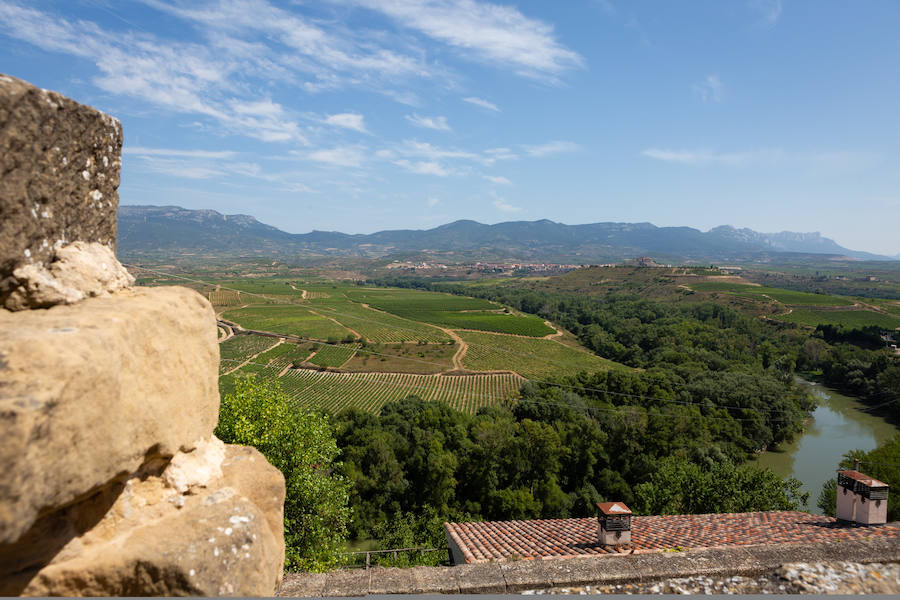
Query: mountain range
point(170, 230)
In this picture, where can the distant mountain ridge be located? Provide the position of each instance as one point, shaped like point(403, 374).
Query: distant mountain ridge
point(159, 230)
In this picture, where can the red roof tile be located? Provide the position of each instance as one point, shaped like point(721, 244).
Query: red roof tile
point(495, 540)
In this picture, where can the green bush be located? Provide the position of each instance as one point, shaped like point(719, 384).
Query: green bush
point(302, 446)
point(682, 487)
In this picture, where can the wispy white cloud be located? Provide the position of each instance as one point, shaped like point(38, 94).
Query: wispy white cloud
point(413, 148)
point(178, 168)
point(710, 89)
point(437, 123)
point(555, 147)
point(432, 202)
point(500, 154)
point(820, 160)
point(143, 151)
point(180, 77)
point(482, 103)
point(423, 167)
point(498, 179)
point(705, 157)
point(352, 121)
point(769, 10)
point(493, 33)
point(340, 156)
point(504, 206)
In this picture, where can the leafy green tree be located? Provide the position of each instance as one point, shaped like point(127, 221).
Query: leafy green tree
point(302, 446)
point(683, 487)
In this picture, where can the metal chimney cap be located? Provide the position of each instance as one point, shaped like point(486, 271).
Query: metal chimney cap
point(862, 478)
point(613, 508)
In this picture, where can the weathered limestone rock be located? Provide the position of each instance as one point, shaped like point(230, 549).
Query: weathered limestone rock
point(91, 391)
point(60, 162)
point(80, 270)
point(144, 537)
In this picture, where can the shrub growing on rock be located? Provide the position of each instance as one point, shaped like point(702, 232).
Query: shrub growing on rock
point(302, 446)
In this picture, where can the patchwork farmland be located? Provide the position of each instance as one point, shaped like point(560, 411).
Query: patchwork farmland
point(370, 391)
point(337, 346)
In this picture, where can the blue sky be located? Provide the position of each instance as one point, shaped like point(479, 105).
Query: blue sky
point(361, 115)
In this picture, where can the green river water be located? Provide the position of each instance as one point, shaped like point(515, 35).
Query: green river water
point(837, 426)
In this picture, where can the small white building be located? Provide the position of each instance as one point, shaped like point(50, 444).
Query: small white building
point(861, 499)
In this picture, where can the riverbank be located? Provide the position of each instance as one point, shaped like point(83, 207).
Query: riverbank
point(838, 424)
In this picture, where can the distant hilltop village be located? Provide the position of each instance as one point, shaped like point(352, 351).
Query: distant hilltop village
point(497, 268)
point(520, 268)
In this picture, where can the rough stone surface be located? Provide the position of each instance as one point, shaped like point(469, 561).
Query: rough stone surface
point(794, 578)
point(144, 537)
point(91, 391)
point(60, 164)
point(188, 470)
point(80, 270)
point(734, 569)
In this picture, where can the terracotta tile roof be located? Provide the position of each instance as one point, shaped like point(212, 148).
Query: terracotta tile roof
point(550, 538)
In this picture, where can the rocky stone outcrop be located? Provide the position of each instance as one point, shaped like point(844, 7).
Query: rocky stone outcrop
point(222, 538)
point(60, 162)
point(93, 390)
point(80, 270)
point(111, 481)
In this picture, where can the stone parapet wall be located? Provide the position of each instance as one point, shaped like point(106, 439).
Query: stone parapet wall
point(509, 577)
point(111, 480)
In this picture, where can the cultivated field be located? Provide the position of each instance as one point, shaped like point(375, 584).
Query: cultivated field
point(403, 358)
point(410, 345)
point(452, 312)
point(531, 358)
point(847, 318)
point(289, 319)
point(788, 297)
point(240, 348)
point(335, 391)
point(376, 326)
point(333, 356)
point(224, 298)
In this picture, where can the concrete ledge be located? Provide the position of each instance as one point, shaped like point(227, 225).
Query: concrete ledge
point(516, 576)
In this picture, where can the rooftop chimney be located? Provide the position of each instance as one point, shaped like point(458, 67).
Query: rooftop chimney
point(613, 523)
point(861, 499)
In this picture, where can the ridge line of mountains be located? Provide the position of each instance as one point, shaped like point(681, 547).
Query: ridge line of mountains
point(146, 230)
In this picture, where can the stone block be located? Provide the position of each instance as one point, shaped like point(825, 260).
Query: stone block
point(81, 270)
point(90, 391)
point(480, 578)
point(142, 537)
point(571, 571)
point(390, 580)
point(302, 585)
point(434, 580)
point(347, 583)
point(61, 165)
point(524, 575)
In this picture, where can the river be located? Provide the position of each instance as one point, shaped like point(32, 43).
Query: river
point(837, 426)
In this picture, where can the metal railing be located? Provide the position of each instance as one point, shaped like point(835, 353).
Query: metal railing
point(394, 552)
